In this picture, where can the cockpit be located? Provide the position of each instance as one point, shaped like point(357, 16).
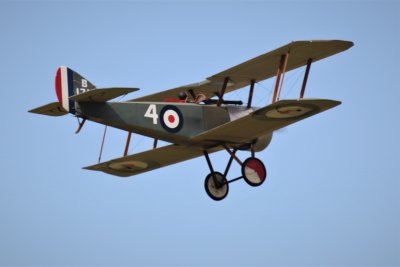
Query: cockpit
point(200, 99)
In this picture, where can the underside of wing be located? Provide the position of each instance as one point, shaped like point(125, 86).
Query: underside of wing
point(148, 160)
point(259, 68)
point(264, 121)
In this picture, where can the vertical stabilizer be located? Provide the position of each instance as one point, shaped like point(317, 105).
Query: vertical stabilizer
point(69, 83)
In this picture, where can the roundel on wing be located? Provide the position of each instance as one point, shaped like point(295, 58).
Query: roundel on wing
point(171, 119)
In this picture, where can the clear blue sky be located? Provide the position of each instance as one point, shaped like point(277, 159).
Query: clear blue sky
point(332, 192)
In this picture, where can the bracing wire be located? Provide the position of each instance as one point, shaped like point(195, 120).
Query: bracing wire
point(141, 138)
point(294, 82)
point(291, 78)
point(267, 94)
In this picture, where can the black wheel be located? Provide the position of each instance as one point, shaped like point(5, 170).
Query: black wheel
point(254, 172)
point(218, 189)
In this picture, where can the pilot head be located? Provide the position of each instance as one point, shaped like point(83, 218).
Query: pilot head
point(182, 95)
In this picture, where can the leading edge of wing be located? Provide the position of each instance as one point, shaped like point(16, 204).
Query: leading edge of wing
point(265, 66)
point(265, 120)
point(148, 160)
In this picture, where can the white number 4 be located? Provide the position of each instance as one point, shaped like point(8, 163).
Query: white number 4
point(152, 113)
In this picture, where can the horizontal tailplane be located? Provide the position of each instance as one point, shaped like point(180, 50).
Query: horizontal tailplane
point(102, 94)
point(52, 109)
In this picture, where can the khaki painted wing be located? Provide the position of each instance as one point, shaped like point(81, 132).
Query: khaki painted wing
point(258, 68)
point(149, 160)
point(52, 109)
point(264, 121)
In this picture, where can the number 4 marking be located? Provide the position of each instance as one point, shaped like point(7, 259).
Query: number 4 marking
point(152, 113)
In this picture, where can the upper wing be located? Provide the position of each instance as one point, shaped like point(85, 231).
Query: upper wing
point(149, 160)
point(264, 120)
point(51, 109)
point(258, 68)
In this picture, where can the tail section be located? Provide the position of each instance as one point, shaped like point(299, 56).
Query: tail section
point(73, 89)
point(69, 83)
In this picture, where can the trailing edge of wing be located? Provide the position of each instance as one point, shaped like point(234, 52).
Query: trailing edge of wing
point(102, 94)
point(148, 160)
point(265, 120)
point(259, 68)
point(51, 109)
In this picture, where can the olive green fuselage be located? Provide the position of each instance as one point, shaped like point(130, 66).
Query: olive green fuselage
point(185, 120)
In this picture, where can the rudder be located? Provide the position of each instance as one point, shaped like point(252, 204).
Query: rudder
point(69, 83)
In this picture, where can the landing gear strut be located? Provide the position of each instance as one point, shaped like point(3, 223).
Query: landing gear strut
point(216, 183)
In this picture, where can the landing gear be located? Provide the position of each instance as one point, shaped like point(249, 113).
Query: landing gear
point(216, 186)
point(216, 183)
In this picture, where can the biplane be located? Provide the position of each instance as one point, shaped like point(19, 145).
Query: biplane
point(196, 119)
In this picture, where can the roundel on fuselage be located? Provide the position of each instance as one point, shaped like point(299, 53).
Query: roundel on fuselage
point(171, 119)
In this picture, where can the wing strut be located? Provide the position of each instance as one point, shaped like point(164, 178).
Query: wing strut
point(303, 87)
point(250, 94)
point(155, 143)
point(278, 78)
point(221, 94)
point(128, 140)
point(102, 143)
point(283, 74)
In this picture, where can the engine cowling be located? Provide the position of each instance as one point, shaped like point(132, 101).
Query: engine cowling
point(259, 144)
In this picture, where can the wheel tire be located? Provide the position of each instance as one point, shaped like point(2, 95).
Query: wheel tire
point(212, 190)
point(254, 172)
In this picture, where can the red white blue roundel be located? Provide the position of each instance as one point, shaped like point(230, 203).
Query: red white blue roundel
point(171, 119)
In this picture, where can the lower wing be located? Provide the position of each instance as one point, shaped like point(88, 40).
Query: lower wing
point(149, 160)
point(263, 121)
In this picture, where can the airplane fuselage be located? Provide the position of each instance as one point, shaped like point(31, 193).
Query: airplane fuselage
point(171, 122)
